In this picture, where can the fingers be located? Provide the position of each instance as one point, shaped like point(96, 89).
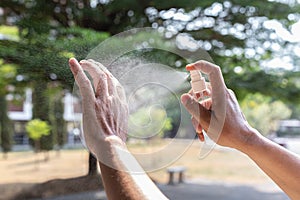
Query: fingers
point(98, 64)
point(98, 76)
point(83, 82)
point(206, 103)
point(200, 113)
point(121, 93)
point(198, 129)
point(196, 125)
point(105, 83)
point(111, 82)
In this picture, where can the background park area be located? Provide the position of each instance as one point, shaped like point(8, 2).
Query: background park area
point(256, 44)
point(25, 178)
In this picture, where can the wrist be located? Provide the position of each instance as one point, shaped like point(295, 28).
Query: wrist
point(251, 139)
point(110, 152)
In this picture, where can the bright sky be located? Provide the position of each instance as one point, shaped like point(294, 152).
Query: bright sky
point(292, 36)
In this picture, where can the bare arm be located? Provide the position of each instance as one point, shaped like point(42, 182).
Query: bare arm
point(278, 163)
point(220, 116)
point(105, 116)
point(130, 182)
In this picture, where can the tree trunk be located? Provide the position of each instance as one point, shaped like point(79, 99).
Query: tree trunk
point(5, 156)
point(41, 111)
point(37, 150)
point(6, 128)
point(93, 165)
point(60, 124)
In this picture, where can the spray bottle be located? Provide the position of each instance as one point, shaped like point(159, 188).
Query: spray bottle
point(198, 84)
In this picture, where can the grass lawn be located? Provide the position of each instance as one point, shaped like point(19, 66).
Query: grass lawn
point(219, 164)
point(30, 167)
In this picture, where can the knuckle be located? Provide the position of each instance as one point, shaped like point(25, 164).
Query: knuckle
point(232, 95)
point(209, 65)
point(110, 99)
point(102, 76)
point(200, 62)
point(91, 60)
point(84, 81)
point(230, 91)
point(216, 68)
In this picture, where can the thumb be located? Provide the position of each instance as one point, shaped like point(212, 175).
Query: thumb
point(200, 113)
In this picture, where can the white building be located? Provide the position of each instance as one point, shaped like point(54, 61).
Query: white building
point(21, 114)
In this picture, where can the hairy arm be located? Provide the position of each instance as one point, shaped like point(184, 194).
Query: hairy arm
point(124, 178)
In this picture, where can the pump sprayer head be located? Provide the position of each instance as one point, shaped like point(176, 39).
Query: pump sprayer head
point(197, 81)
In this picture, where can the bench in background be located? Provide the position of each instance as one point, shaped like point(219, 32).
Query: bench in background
point(176, 170)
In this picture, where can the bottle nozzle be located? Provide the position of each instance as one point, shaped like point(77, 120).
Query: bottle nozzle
point(197, 81)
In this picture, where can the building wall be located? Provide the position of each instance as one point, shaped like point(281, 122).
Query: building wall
point(21, 114)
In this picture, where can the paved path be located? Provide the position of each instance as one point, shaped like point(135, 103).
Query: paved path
point(210, 191)
point(195, 190)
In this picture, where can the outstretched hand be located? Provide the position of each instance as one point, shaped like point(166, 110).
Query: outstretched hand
point(105, 109)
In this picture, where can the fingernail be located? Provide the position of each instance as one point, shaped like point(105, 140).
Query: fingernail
point(200, 136)
point(71, 62)
point(189, 67)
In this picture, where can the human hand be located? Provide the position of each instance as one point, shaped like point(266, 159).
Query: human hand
point(219, 115)
point(105, 110)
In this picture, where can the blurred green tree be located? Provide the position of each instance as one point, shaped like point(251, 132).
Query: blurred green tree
point(37, 128)
point(263, 112)
point(233, 32)
point(42, 60)
point(149, 123)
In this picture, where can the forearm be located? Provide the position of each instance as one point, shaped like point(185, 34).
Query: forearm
point(277, 162)
point(124, 178)
point(118, 184)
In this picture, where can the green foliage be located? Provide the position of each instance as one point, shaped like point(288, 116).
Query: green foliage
point(295, 111)
point(37, 128)
point(44, 57)
point(283, 86)
point(147, 123)
point(234, 27)
point(42, 61)
point(7, 75)
point(263, 113)
point(11, 32)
